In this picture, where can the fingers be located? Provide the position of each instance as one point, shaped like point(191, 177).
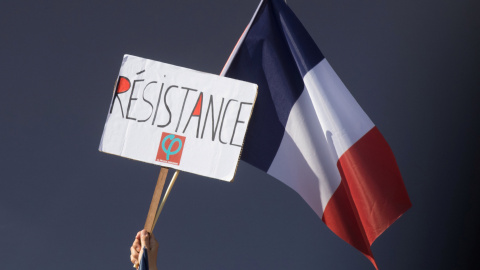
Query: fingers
point(135, 249)
point(137, 245)
point(153, 242)
point(145, 239)
point(138, 235)
point(134, 259)
point(133, 255)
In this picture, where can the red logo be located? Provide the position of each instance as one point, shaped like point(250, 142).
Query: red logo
point(170, 148)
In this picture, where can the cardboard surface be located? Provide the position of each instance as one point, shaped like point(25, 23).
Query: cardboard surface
point(178, 118)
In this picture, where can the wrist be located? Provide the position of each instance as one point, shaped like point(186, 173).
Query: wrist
point(152, 263)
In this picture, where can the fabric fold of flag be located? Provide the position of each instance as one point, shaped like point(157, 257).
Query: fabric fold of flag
point(308, 131)
point(144, 260)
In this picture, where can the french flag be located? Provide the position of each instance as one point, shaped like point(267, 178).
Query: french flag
point(308, 131)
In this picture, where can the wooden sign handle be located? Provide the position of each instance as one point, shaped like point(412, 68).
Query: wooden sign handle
point(149, 223)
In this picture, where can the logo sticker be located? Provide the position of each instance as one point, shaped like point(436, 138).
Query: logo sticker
point(170, 148)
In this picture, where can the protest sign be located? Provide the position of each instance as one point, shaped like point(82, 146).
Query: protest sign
point(178, 118)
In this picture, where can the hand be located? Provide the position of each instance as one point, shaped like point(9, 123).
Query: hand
point(147, 240)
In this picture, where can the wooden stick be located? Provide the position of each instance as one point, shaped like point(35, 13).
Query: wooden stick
point(150, 222)
point(159, 210)
point(154, 210)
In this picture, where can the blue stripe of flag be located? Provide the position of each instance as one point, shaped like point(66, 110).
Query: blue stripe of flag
point(303, 48)
point(144, 260)
point(276, 53)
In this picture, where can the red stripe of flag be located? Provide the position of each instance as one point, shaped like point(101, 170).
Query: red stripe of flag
point(371, 195)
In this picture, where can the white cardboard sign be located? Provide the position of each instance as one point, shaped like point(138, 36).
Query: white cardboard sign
point(177, 117)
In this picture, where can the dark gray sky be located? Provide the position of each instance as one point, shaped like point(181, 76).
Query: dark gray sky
point(412, 66)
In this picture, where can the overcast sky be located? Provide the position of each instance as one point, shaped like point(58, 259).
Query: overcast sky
point(412, 66)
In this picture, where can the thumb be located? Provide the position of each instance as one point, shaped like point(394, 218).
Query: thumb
point(145, 239)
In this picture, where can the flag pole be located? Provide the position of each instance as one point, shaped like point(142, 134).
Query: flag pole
point(170, 186)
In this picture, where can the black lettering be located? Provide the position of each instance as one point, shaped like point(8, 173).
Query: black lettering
point(151, 105)
point(131, 98)
point(214, 127)
point(183, 106)
point(116, 95)
point(196, 113)
point(113, 103)
point(158, 103)
point(238, 121)
point(223, 119)
point(168, 108)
